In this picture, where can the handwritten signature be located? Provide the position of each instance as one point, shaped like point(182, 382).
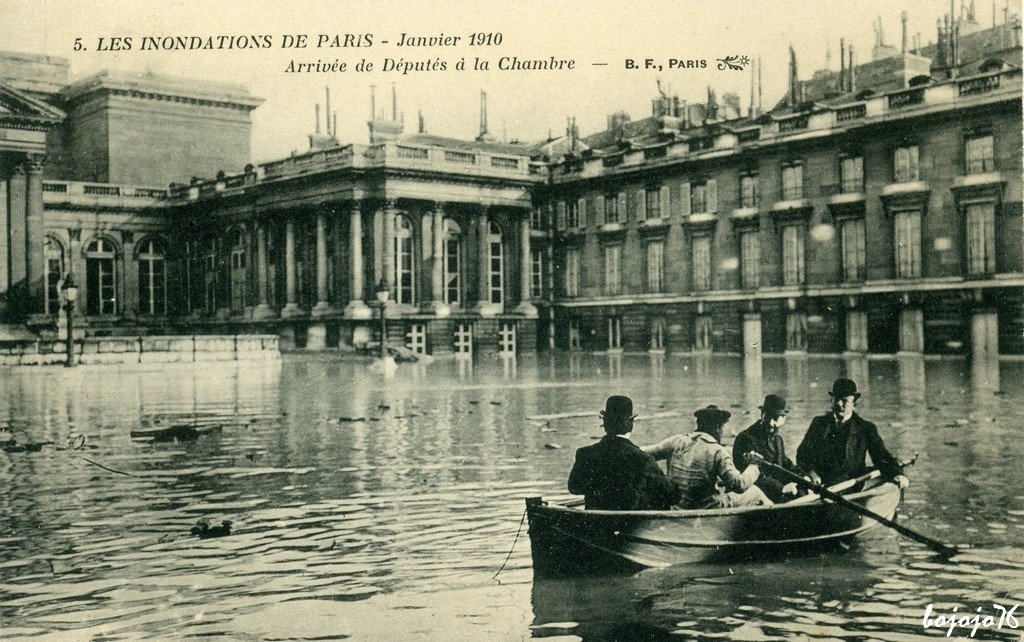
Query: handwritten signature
point(1001, 616)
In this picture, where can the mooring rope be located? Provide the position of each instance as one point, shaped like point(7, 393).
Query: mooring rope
point(509, 556)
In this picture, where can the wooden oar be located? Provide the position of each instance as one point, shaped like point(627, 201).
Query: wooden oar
point(837, 488)
point(933, 544)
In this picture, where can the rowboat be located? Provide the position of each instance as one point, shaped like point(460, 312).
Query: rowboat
point(566, 539)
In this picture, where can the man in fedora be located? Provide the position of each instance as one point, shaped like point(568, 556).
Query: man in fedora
point(763, 438)
point(614, 474)
point(836, 444)
point(698, 464)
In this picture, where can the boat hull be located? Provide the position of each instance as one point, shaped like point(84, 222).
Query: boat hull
point(569, 540)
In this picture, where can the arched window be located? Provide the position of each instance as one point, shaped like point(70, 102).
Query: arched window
point(53, 257)
point(100, 277)
point(152, 278)
point(210, 275)
point(452, 262)
point(405, 290)
point(239, 264)
point(497, 265)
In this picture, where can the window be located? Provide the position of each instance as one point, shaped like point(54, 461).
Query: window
point(851, 174)
point(655, 266)
point(980, 154)
point(657, 333)
point(852, 233)
point(575, 342)
point(497, 265)
point(416, 338)
point(210, 275)
point(614, 333)
point(793, 255)
point(748, 190)
point(53, 255)
point(612, 269)
point(238, 270)
point(572, 214)
point(100, 283)
point(537, 219)
point(701, 255)
point(653, 204)
point(452, 273)
point(405, 290)
point(792, 181)
point(572, 272)
point(536, 273)
point(981, 238)
point(750, 259)
point(611, 208)
point(905, 165)
point(152, 278)
point(907, 226)
point(700, 197)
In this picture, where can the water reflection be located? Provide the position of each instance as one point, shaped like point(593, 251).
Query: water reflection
point(360, 504)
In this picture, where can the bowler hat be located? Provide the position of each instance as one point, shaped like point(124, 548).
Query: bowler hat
point(712, 417)
point(843, 388)
point(618, 407)
point(774, 406)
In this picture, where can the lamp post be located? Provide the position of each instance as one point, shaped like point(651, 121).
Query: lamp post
point(70, 291)
point(382, 294)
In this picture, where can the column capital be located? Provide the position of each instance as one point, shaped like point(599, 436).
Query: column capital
point(34, 163)
point(389, 204)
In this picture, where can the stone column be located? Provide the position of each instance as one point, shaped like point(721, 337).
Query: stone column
point(262, 309)
point(525, 307)
point(796, 332)
point(17, 292)
point(985, 350)
point(437, 299)
point(856, 331)
point(291, 308)
point(483, 295)
point(322, 307)
point(752, 335)
point(356, 308)
point(34, 235)
point(388, 249)
point(911, 330)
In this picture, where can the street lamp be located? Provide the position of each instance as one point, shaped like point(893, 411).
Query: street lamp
point(382, 294)
point(70, 291)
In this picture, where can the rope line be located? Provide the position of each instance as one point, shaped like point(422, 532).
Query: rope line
point(507, 558)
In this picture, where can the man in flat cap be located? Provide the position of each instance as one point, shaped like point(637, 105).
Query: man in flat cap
point(763, 438)
point(837, 443)
point(703, 469)
point(614, 474)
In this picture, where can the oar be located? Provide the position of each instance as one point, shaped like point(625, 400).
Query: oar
point(933, 544)
point(838, 488)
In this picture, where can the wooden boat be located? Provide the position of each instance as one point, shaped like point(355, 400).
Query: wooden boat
point(565, 539)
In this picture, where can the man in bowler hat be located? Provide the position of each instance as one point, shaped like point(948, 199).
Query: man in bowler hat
point(703, 469)
point(763, 438)
point(614, 474)
point(837, 443)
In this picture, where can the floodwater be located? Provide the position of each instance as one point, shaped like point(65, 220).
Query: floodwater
point(371, 509)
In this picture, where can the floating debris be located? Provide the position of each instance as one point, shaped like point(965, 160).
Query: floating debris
point(495, 403)
point(553, 446)
point(951, 443)
point(204, 531)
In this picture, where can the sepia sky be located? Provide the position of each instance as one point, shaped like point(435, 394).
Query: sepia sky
point(523, 105)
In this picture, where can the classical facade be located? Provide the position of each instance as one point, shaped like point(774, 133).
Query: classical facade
point(875, 208)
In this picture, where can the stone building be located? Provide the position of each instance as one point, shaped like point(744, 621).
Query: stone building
point(874, 208)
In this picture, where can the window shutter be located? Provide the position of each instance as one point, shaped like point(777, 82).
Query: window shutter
point(684, 199)
point(598, 211)
point(711, 196)
point(622, 206)
point(641, 204)
point(666, 210)
point(561, 215)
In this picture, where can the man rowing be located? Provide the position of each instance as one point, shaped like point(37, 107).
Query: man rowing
point(614, 473)
point(837, 443)
point(763, 438)
point(698, 464)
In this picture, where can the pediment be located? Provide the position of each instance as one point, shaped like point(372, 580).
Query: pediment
point(18, 105)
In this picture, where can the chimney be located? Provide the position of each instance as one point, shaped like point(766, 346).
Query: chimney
point(373, 102)
point(753, 89)
point(760, 105)
point(422, 127)
point(792, 77)
point(842, 64)
point(853, 70)
point(394, 103)
point(903, 39)
point(334, 128)
point(318, 118)
point(327, 109)
point(483, 113)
